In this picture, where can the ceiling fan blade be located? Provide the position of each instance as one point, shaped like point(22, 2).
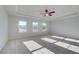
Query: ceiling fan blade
point(52, 12)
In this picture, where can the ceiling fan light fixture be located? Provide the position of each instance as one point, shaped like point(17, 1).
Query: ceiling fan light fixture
point(46, 14)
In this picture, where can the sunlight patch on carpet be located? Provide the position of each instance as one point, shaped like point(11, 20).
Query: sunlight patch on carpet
point(68, 46)
point(74, 48)
point(58, 37)
point(32, 45)
point(72, 40)
point(43, 51)
point(49, 40)
point(62, 44)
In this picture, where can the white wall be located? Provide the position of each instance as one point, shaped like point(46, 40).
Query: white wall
point(13, 26)
point(3, 27)
point(68, 26)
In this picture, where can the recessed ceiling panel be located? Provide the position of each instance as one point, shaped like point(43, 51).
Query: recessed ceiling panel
point(35, 10)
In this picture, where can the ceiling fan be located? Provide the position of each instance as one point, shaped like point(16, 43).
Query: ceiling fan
point(47, 12)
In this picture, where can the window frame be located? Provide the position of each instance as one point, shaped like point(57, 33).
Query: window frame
point(45, 26)
point(33, 26)
point(20, 22)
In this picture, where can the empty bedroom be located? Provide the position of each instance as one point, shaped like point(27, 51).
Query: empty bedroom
point(39, 29)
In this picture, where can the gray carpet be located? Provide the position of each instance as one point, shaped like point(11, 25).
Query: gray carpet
point(16, 46)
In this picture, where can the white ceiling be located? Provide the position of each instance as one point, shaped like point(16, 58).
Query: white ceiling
point(35, 10)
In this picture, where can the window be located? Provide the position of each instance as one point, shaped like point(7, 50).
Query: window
point(44, 26)
point(35, 26)
point(22, 26)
